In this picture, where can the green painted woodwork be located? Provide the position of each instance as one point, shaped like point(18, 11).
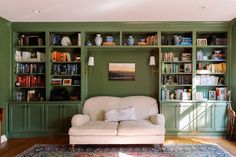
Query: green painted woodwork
point(205, 116)
point(58, 117)
point(26, 118)
point(5, 60)
point(98, 79)
point(169, 110)
point(53, 117)
point(195, 118)
point(185, 117)
point(232, 62)
point(220, 114)
point(17, 118)
point(181, 117)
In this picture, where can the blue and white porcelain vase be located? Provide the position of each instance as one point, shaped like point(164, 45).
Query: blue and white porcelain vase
point(130, 41)
point(98, 40)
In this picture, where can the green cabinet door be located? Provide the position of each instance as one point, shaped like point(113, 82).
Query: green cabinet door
point(220, 116)
point(179, 116)
point(69, 110)
point(205, 116)
point(53, 117)
point(35, 117)
point(17, 118)
point(26, 118)
point(169, 110)
point(185, 116)
point(58, 117)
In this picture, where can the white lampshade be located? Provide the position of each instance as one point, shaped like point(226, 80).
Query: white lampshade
point(91, 61)
point(152, 60)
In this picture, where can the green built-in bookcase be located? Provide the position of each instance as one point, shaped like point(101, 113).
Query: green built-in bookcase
point(174, 46)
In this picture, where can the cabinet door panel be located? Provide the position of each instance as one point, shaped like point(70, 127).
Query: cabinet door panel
point(185, 117)
point(69, 110)
point(35, 117)
point(169, 110)
point(17, 118)
point(53, 117)
point(205, 121)
point(220, 116)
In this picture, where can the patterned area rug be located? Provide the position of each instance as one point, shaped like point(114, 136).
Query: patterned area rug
point(170, 150)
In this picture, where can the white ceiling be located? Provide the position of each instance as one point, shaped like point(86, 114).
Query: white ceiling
point(117, 10)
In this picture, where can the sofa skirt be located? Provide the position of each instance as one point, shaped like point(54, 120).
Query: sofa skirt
point(116, 139)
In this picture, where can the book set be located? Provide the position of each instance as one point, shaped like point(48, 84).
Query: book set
point(30, 68)
point(30, 81)
point(60, 56)
point(177, 94)
point(177, 80)
point(65, 69)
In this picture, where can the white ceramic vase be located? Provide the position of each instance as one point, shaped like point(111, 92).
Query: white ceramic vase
point(98, 40)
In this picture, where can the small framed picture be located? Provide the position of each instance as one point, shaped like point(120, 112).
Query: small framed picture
point(201, 42)
point(188, 68)
point(212, 95)
point(67, 82)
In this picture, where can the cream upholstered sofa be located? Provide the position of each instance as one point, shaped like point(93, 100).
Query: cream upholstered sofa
point(91, 127)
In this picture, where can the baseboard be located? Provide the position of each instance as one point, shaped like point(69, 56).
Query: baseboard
point(3, 138)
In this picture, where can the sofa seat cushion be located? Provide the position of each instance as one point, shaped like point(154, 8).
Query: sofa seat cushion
point(140, 127)
point(95, 128)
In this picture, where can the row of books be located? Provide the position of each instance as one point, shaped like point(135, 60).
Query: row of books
point(172, 68)
point(167, 56)
point(29, 68)
point(31, 81)
point(212, 68)
point(177, 80)
point(177, 94)
point(151, 40)
point(60, 56)
point(65, 69)
point(208, 80)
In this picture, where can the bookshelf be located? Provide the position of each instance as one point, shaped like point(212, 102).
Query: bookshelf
point(65, 48)
point(176, 64)
point(29, 66)
point(175, 47)
point(211, 66)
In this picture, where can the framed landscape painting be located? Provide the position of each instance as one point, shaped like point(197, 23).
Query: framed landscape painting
point(122, 71)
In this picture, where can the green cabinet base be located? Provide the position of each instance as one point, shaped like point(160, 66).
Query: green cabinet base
point(40, 119)
point(195, 118)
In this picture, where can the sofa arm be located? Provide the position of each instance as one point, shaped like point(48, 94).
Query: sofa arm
point(79, 119)
point(158, 119)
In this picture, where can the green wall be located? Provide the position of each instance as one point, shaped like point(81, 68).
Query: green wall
point(5, 64)
point(233, 63)
point(146, 82)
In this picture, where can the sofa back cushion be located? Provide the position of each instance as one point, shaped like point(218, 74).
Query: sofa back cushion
point(96, 107)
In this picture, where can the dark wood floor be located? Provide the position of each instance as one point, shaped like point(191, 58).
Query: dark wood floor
point(15, 146)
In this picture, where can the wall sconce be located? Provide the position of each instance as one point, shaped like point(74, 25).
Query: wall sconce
point(152, 64)
point(90, 63)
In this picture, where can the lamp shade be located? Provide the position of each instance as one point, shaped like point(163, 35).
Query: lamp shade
point(152, 60)
point(91, 61)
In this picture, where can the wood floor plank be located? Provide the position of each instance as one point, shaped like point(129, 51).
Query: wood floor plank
point(15, 146)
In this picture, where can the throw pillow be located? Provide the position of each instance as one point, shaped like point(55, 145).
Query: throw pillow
point(121, 114)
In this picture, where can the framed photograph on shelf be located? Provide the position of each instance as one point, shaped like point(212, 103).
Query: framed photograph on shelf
point(67, 82)
point(201, 42)
point(188, 68)
point(212, 95)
